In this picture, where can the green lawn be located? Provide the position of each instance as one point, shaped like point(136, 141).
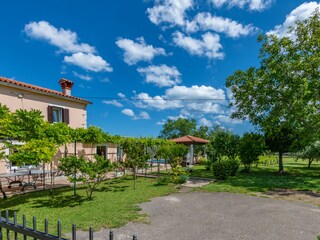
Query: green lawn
point(263, 178)
point(113, 205)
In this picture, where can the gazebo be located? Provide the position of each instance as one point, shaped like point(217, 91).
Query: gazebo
point(190, 141)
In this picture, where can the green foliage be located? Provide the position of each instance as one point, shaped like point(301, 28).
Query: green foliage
point(178, 128)
point(268, 159)
point(90, 173)
point(179, 175)
point(164, 180)
point(59, 133)
point(284, 90)
point(310, 153)
point(173, 153)
point(34, 152)
point(223, 143)
point(251, 147)
point(223, 169)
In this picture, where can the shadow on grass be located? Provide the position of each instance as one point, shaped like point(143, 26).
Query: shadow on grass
point(60, 201)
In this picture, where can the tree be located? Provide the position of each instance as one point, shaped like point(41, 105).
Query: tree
point(284, 90)
point(136, 154)
point(173, 153)
point(91, 173)
point(310, 153)
point(178, 128)
point(251, 147)
point(223, 143)
point(282, 141)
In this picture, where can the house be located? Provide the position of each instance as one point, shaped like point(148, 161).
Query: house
point(55, 107)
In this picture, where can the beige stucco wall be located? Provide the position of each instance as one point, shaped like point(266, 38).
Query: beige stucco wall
point(21, 99)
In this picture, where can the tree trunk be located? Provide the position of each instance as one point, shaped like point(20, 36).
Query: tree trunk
point(280, 163)
point(309, 163)
point(134, 178)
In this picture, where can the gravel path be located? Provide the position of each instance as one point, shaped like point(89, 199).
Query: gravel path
point(221, 216)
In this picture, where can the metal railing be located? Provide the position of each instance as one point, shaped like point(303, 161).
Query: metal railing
point(11, 229)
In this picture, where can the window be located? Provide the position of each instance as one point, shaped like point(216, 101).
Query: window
point(57, 114)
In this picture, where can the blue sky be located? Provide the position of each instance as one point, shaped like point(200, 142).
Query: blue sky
point(142, 62)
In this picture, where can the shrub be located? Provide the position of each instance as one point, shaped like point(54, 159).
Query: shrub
point(163, 180)
point(202, 161)
point(208, 165)
point(177, 172)
point(223, 169)
point(183, 178)
point(232, 166)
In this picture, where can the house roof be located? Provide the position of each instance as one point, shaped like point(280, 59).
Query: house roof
point(14, 83)
point(189, 140)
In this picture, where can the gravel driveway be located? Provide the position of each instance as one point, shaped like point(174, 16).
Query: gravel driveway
point(222, 216)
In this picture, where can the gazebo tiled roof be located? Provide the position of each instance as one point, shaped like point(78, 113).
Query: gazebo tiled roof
point(189, 140)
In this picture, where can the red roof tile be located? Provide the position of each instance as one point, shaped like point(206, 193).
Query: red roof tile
point(40, 89)
point(189, 140)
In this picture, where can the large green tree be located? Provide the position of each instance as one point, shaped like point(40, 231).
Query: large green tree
point(178, 128)
point(283, 92)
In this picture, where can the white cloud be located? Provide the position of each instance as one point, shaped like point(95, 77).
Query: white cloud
point(199, 99)
point(157, 102)
point(89, 62)
point(83, 55)
point(144, 115)
point(227, 119)
point(205, 21)
point(208, 46)
point(113, 102)
point(138, 51)
point(104, 80)
point(81, 76)
point(253, 5)
point(121, 95)
point(162, 75)
point(130, 113)
point(205, 122)
point(302, 12)
point(169, 11)
point(65, 40)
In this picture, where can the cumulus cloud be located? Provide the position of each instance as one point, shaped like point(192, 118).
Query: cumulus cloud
point(205, 122)
point(82, 76)
point(138, 51)
point(161, 76)
point(121, 95)
point(65, 40)
point(169, 11)
point(130, 113)
point(89, 62)
point(205, 21)
point(199, 99)
point(83, 55)
point(113, 102)
point(222, 118)
point(209, 46)
point(302, 12)
point(253, 5)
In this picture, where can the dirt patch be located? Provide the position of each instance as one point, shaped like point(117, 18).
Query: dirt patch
point(292, 195)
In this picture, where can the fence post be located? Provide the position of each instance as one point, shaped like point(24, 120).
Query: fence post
point(74, 232)
point(111, 235)
point(90, 233)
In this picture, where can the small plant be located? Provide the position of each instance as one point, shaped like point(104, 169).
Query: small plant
point(164, 180)
point(208, 165)
point(183, 178)
point(177, 172)
point(202, 161)
point(223, 169)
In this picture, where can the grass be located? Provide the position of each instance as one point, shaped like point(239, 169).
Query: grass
point(113, 205)
point(264, 178)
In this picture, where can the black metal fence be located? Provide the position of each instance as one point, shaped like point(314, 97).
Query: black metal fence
point(13, 230)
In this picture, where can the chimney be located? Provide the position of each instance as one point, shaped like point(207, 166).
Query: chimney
point(66, 86)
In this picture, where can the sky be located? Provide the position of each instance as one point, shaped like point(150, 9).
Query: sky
point(142, 62)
